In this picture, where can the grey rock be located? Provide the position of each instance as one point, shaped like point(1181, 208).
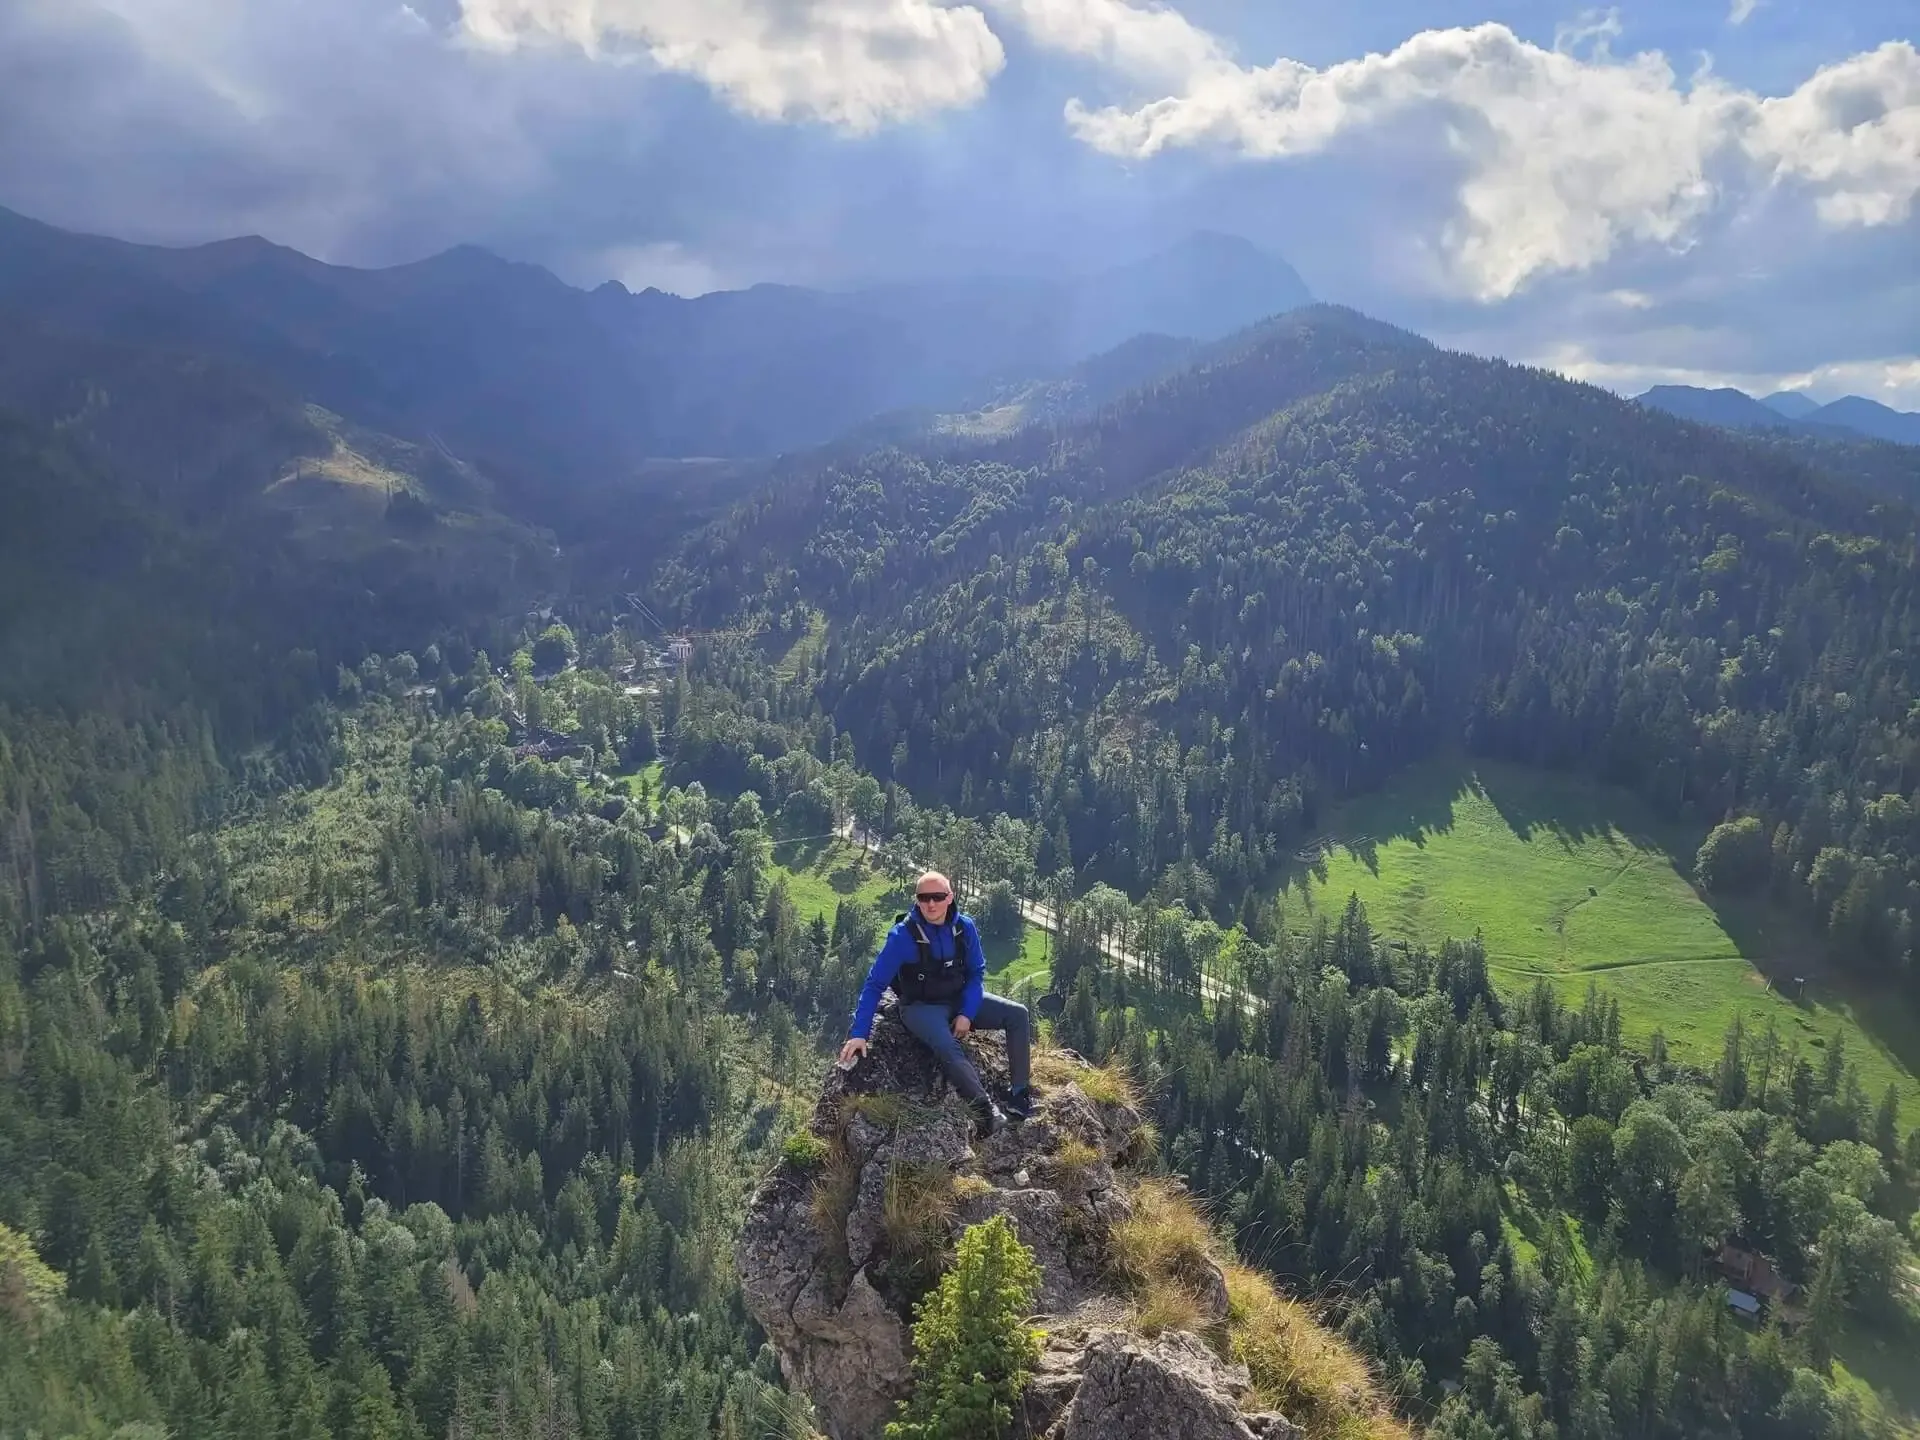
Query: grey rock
point(827, 1292)
point(1173, 1386)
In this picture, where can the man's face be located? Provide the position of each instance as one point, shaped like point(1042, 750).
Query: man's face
point(932, 895)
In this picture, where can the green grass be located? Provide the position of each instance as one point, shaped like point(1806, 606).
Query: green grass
point(821, 873)
point(629, 780)
point(1879, 1365)
point(1011, 964)
point(805, 648)
point(1578, 882)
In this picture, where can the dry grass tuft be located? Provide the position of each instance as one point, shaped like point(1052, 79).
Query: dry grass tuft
point(971, 1187)
point(916, 1213)
point(1108, 1084)
point(1165, 1238)
point(882, 1107)
point(1301, 1368)
point(835, 1190)
point(1165, 1254)
point(1071, 1162)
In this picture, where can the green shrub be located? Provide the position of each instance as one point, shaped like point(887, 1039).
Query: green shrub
point(973, 1351)
point(804, 1148)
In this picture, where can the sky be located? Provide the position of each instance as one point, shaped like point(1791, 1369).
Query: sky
point(1695, 191)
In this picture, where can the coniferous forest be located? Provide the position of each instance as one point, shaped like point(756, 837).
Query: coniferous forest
point(405, 976)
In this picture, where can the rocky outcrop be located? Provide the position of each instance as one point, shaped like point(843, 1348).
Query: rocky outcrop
point(1173, 1385)
point(859, 1219)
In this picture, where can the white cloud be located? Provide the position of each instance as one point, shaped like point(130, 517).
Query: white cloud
point(855, 64)
point(1564, 158)
point(1852, 132)
point(1893, 381)
point(1150, 42)
point(664, 265)
point(1742, 11)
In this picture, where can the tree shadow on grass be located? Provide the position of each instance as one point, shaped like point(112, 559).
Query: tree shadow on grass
point(850, 876)
point(1413, 805)
point(1570, 808)
point(1882, 1356)
point(801, 852)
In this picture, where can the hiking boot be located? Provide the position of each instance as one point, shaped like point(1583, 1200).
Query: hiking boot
point(1020, 1104)
point(987, 1119)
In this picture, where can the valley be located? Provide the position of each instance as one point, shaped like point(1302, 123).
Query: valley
point(1425, 782)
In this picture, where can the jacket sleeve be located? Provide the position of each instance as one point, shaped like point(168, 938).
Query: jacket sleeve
point(976, 969)
point(879, 975)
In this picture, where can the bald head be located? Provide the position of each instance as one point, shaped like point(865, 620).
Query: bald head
point(934, 896)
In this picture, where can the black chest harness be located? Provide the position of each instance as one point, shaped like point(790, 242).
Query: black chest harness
point(930, 980)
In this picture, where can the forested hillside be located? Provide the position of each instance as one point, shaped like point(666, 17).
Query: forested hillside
point(405, 976)
point(1184, 628)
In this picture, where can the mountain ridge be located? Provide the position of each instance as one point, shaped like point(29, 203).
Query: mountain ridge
point(1785, 410)
point(511, 363)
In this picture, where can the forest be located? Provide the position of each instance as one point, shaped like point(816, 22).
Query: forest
point(368, 1070)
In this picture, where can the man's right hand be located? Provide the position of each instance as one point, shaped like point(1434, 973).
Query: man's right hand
point(852, 1051)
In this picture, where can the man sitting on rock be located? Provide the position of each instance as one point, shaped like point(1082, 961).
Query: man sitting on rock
point(933, 960)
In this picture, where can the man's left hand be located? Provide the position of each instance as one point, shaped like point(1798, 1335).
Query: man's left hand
point(961, 1025)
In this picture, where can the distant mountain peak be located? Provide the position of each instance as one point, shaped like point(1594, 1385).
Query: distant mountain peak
point(1794, 404)
point(1785, 410)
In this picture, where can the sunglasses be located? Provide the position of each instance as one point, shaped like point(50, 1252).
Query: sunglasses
point(932, 897)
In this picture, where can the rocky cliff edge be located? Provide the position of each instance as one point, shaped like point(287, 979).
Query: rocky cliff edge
point(1148, 1333)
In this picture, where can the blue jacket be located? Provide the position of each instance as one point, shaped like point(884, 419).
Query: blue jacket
point(901, 950)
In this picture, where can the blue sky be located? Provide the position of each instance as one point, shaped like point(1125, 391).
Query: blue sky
point(1724, 192)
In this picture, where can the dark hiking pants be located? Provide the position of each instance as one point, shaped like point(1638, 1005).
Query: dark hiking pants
point(932, 1026)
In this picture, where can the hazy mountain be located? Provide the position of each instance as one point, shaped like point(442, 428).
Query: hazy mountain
point(1870, 417)
point(1732, 408)
point(1791, 403)
point(506, 364)
point(1786, 410)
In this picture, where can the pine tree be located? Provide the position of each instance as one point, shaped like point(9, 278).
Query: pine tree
point(973, 1350)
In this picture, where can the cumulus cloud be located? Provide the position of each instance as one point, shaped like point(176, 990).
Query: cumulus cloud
point(1742, 11)
point(1564, 157)
point(1499, 196)
point(855, 64)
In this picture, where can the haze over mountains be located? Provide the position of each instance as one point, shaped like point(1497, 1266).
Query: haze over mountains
point(1786, 410)
point(506, 363)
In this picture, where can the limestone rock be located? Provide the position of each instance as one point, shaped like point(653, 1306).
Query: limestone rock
point(1173, 1385)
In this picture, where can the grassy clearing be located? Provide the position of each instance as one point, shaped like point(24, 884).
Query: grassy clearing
point(1574, 881)
point(630, 780)
point(1556, 874)
point(1011, 965)
point(820, 873)
point(809, 644)
point(1878, 1366)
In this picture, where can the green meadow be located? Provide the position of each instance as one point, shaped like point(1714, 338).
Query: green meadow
point(821, 873)
point(1576, 883)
